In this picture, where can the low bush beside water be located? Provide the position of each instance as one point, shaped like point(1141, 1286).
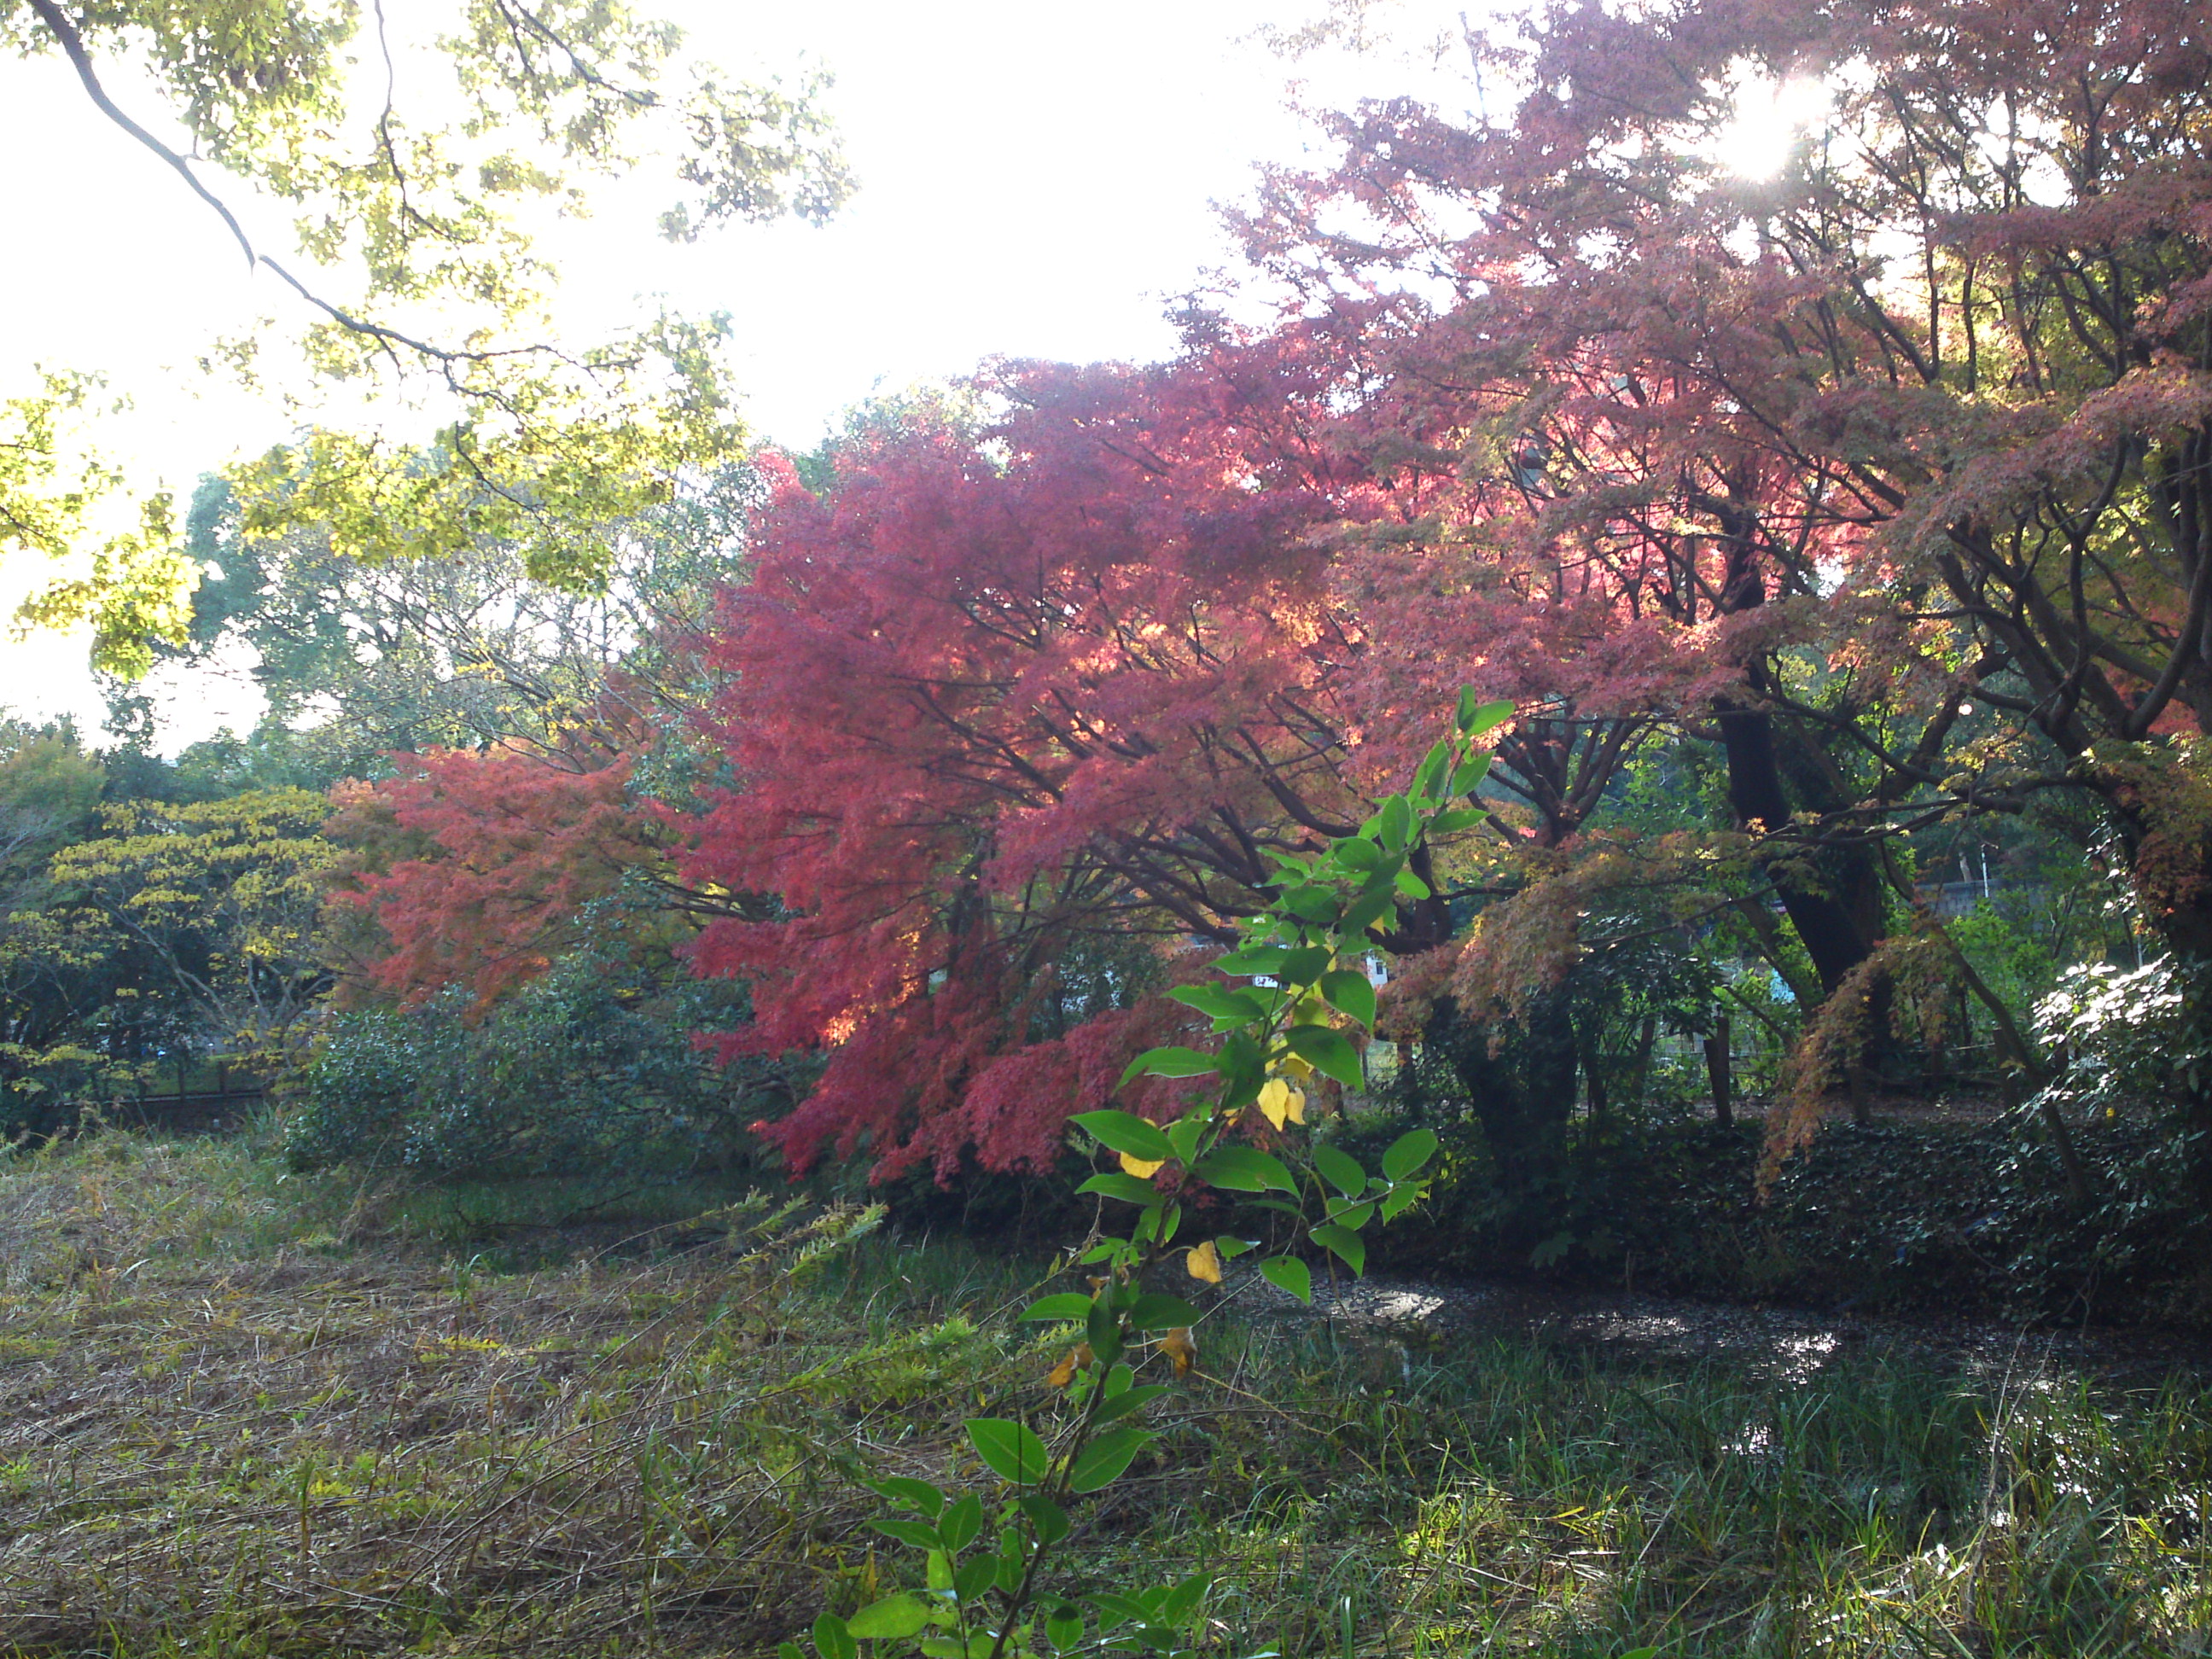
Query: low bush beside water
point(1896, 1215)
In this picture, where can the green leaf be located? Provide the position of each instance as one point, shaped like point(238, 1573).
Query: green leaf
point(1354, 1216)
point(1048, 1520)
point(1243, 1065)
point(1329, 1051)
point(1125, 1132)
point(1103, 1329)
point(1230, 1248)
point(1305, 964)
point(1399, 1199)
point(1184, 1135)
point(1251, 960)
point(972, 1577)
point(1117, 1610)
point(1063, 1627)
point(1340, 1170)
point(1349, 991)
point(919, 1534)
point(1408, 1153)
point(1102, 1461)
point(1287, 1272)
point(1367, 910)
point(1464, 716)
point(1157, 1311)
point(1489, 718)
point(963, 1520)
point(1432, 770)
point(1310, 902)
point(1128, 1400)
point(1459, 819)
point(1397, 821)
point(1012, 1450)
point(1126, 1187)
point(1067, 1304)
point(1245, 1170)
point(1357, 853)
point(1411, 886)
point(1219, 1001)
point(832, 1640)
point(1343, 1243)
point(1469, 777)
point(917, 1494)
point(891, 1619)
point(1184, 1600)
point(789, 1650)
point(1172, 1061)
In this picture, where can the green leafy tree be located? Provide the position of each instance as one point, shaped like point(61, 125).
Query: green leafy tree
point(357, 659)
point(50, 788)
point(412, 251)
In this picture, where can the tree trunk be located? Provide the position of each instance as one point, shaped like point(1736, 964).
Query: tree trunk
point(1718, 1061)
point(1523, 1094)
point(1832, 930)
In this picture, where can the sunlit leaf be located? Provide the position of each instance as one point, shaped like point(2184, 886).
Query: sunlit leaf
point(1179, 1347)
point(1280, 1103)
point(891, 1619)
point(1408, 1153)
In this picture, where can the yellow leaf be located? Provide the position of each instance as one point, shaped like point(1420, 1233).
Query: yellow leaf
point(1063, 1373)
point(1177, 1346)
point(1204, 1262)
point(1297, 1066)
point(1281, 1103)
point(1140, 1167)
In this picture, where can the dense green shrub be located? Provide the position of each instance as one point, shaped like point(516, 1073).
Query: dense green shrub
point(1901, 1216)
point(592, 1068)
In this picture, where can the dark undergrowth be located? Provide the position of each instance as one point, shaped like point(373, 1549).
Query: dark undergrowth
point(252, 1415)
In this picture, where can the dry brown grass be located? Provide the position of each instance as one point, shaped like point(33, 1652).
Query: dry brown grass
point(217, 1438)
point(247, 1416)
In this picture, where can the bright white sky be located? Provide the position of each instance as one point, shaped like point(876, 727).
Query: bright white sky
point(1037, 179)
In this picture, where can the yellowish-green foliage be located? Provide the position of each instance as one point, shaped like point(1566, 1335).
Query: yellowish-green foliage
point(223, 896)
point(132, 581)
point(416, 209)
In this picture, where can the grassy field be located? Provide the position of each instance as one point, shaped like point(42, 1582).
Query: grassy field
point(242, 1414)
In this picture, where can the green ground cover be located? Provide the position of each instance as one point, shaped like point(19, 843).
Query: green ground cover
point(249, 1414)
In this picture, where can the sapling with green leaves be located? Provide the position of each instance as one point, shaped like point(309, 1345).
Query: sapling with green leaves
point(1291, 996)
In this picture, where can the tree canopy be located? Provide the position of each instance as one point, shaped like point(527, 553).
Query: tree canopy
point(1819, 525)
point(413, 197)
